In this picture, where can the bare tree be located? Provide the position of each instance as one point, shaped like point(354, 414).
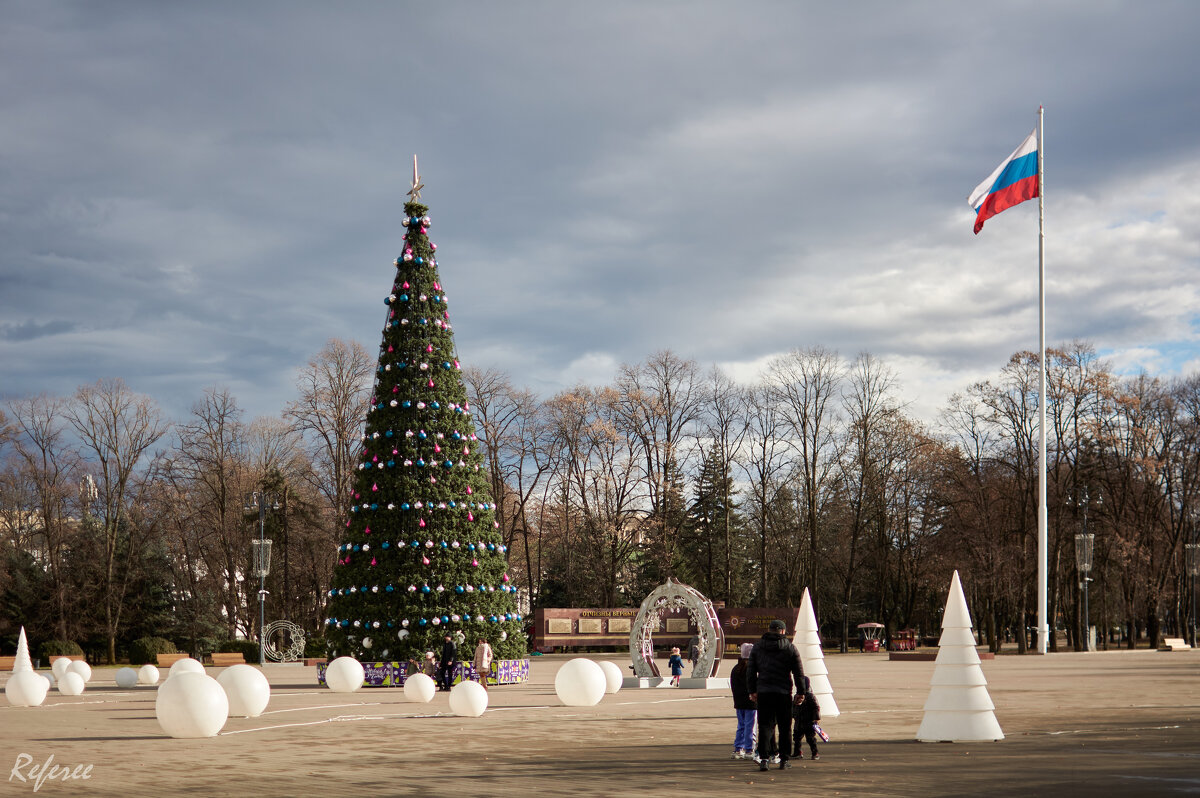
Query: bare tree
point(51, 467)
point(659, 401)
point(806, 384)
point(118, 427)
point(330, 412)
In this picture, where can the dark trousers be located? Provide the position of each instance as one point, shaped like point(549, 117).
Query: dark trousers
point(774, 711)
point(804, 730)
point(446, 675)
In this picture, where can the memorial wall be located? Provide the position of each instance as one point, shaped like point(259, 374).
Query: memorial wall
point(568, 628)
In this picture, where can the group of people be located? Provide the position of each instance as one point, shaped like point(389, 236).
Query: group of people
point(762, 682)
point(441, 668)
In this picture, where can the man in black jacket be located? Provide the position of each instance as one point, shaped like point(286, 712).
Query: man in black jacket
point(446, 664)
point(774, 666)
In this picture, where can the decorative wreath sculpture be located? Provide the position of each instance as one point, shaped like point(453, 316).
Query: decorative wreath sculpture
point(676, 595)
point(291, 633)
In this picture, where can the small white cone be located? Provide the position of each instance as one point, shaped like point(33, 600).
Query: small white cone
point(808, 640)
point(22, 662)
point(959, 708)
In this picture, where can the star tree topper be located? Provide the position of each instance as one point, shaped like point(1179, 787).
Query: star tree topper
point(417, 185)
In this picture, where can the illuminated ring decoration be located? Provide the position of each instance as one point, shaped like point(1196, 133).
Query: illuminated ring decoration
point(292, 652)
point(676, 595)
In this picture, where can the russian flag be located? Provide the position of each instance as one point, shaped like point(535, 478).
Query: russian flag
point(1013, 182)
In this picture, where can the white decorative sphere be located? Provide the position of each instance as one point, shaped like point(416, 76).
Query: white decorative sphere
point(185, 665)
point(468, 699)
point(126, 678)
point(148, 674)
point(580, 683)
point(191, 704)
point(247, 689)
point(419, 688)
point(48, 676)
point(71, 683)
point(344, 675)
point(59, 666)
point(82, 668)
point(613, 676)
point(26, 689)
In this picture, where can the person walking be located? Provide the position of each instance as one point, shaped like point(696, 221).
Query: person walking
point(743, 738)
point(676, 663)
point(482, 661)
point(806, 712)
point(446, 663)
point(773, 667)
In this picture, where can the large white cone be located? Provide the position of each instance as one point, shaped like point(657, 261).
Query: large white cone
point(808, 640)
point(959, 708)
point(22, 662)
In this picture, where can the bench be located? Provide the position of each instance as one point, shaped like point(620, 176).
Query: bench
point(7, 663)
point(1168, 644)
point(167, 660)
point(222, 659)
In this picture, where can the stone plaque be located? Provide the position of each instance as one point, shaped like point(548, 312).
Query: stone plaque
point(558, 626)
point(618, 625)
point(590, 626)
point(677, 625)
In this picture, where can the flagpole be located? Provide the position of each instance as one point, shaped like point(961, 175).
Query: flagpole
point(1043, 625)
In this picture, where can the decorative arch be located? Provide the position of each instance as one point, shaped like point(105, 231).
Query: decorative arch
point(676, 595)
point(283, 641)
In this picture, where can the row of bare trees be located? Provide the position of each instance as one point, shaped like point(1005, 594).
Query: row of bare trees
point(816, 476)
point(117, 523)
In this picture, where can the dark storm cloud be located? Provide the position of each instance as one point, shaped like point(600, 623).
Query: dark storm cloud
point(204, 194)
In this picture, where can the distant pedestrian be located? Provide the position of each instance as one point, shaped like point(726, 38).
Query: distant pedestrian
point(676, 663)
point(446, 663)
point(805, 712)
point(774, 665)
point(743, 738)
point(482, 661)
point(694, 651)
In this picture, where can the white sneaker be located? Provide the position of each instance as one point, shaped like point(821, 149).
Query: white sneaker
point(775, 759)
point(737, 755)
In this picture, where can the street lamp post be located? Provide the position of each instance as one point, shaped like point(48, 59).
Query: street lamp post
point(1084, 542)
point(1193, 567)
point(261, 562)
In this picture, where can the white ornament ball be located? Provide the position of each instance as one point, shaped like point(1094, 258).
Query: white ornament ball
point(185, 665)
point(344, 675)
point(368, 642)
point(419, 688)
point(191, 704)
point(247, 689)
point(71, 683)
point(612, 675)
point(59, 666)
point(48, 676)
point(26, 689)
point(580, 683)
point(82, 668)
point(468, 699)
point(148, 674)
point(126, 678)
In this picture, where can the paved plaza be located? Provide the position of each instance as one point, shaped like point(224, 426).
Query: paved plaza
point(1105, 723)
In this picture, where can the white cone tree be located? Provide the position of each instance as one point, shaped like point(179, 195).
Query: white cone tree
point(23, 662)
point(808, 640)
point(959, 708)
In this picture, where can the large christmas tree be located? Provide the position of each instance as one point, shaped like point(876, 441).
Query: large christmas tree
point(422, 555)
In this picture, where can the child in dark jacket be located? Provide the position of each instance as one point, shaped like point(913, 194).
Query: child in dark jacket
point(805, 712)
point(676, 663)
point(743, 739)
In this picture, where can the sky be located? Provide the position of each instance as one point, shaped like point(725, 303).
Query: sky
point(203, 194)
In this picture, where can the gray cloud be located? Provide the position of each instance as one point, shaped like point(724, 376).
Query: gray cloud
point(204, 194)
